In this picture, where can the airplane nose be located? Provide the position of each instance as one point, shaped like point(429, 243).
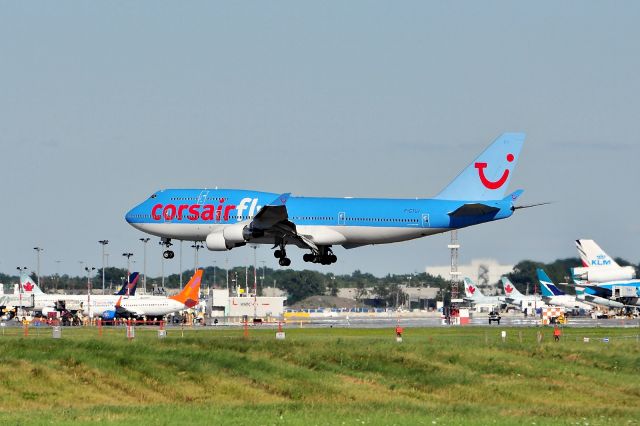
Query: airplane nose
point(129, 215)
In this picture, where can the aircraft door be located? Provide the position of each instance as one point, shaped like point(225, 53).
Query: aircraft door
point(342, 218)
point(425, 220)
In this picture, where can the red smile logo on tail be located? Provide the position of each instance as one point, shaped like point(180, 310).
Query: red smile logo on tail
point(493, 184)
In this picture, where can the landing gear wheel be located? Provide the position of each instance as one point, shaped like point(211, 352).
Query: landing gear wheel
point(308, 257)
point(278, 254)
point(284, 261)
point(168, 254)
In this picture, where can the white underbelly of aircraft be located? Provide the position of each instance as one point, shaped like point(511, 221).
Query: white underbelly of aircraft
point(338, 235)
point(319, 234)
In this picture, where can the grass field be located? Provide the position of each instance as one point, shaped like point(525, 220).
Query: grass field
point(320, 376)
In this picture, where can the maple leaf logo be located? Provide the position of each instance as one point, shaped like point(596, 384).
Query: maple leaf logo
point(508, 288)
point(28, 287)
point(472, 289)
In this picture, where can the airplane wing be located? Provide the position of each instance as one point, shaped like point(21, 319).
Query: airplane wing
point(273, 219)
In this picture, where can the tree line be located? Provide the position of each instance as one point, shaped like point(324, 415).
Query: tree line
point(302, 284)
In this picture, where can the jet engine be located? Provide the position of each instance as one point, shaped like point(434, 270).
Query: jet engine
point(231, 237)
point(602, 275)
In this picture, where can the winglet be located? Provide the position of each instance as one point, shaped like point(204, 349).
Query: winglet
point(190, 294)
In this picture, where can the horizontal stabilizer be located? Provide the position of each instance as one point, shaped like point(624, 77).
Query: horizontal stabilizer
point(473, 209)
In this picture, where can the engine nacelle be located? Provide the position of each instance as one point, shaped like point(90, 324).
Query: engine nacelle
point(108, 314)
point(236, 234)
point(231, 236)
point(602, 275)
point(216, 242)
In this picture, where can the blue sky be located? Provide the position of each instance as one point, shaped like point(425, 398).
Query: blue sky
point(103, 103)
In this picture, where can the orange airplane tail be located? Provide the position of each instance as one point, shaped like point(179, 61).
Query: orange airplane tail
point(190, 294)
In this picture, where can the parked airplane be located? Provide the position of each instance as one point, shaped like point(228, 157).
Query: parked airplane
point(598, 266)
point(229, 218)
point(475, 296)
point(154, 306)
point(552, 295)
point(596, 297)
point(45, 302)
point(28, 286)
point(522, 302)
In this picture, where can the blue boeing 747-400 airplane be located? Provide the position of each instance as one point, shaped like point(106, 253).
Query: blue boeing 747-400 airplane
point(228, 218)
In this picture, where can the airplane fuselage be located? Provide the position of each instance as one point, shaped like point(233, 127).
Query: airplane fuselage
point(193, 214)
point(567, 301)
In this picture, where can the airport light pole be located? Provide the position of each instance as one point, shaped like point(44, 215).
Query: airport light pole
point(38, 250)
point(89, 270)
point(226, 268)
point(103, 243)
point(22, 270)
point(57, 274)
point(181, 283)
point(180, 265)
point(162, 265)
point(196, 246)
point(144, 265)
point(128, 256)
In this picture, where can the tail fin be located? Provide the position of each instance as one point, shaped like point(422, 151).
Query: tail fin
point(470, 289)
point(592, 255)
point(509, 289)
point(487, 178)
point(129, 289)
point(548, 288)
point(190, 294)
point(28, 286)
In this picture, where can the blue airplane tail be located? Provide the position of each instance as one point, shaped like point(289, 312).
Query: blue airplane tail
point(488, 176)
point(547, 286)
point(129, 289)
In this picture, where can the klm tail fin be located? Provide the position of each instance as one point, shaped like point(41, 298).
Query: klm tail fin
point(593, 256)
point(27, 285)
point(547, 286)
point(129, 289)
point(190, 294)
point(487, 178)
point(509, 289)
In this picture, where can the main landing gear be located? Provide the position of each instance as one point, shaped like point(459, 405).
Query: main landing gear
point(167, 254)
point(325, 256)
point(281, 254)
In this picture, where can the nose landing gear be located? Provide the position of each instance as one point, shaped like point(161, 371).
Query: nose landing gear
point(167, 254)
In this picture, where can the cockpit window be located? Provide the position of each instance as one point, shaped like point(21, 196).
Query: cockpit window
point(154, 196)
